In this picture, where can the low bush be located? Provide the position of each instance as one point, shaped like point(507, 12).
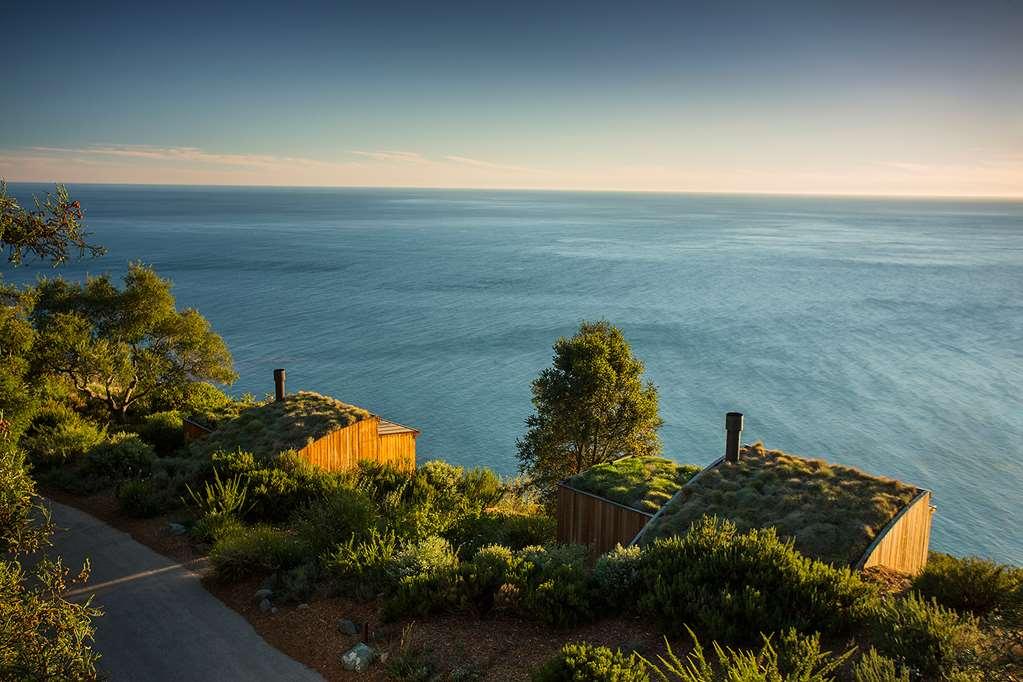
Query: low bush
point(252, 550)
point(363, 567)
point(873, 667)
point(482, 578)
point(578, 662)
point(553, 584)
point(333, 519)
point(425, 579)
point(58, 435)
point(213, 527)
point(928, 638)
point(969, 583)
point(220, 497)
point(122, 455)
point(279, 489)
point(142, 498)
point(734, 586)
point(164, 431)
point(297, 584)
point(500, 527)
point(617, 576)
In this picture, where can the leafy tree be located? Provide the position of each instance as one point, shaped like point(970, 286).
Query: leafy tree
point(592, 406)
point(119, 347)
point(49, 232)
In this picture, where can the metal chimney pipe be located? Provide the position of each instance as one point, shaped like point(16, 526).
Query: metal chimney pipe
point(279, 384)
point(733, 433)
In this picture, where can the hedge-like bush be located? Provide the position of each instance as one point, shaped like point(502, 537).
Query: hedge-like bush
point(553, 584)
point(255, 549)
point(122, 455)
point(970, 583)
point(489, 570)
point(58, 435)
point(735, 586)
point(500, 527)
point(618, 577)
point(334, 519)
point(164, 431)
point(363, 567)
point(586, 662)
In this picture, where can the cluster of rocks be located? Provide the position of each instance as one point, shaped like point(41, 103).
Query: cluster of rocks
point(359, 657)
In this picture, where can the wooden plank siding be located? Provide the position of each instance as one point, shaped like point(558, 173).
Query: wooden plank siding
point(194, 430)
point(586, 519)
point(343, 449)
point(904, 543)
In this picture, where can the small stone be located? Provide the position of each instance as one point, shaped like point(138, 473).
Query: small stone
point(262, 594)
point(348, 627)
point(384, 656)
point(176, 528)
point(265, 606)
point(303, 606)
point(273, 610)
point(357, 659)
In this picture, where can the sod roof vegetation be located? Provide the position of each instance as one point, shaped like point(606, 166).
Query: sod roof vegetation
point(642, 483)
point(831, 512)
point(268, 428)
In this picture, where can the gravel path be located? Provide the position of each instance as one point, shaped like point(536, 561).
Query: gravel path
point(159, 622)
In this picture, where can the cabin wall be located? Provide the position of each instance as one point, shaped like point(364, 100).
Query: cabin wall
point(904, 543)
point(194, 431)
point(344, 448)
point(398, 450)
point(586, 519)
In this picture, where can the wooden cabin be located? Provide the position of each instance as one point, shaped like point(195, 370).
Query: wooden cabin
point(323, 431)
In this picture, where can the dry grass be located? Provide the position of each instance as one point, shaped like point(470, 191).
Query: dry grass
point(266, 429)
point(831, 512)
point(643, 483)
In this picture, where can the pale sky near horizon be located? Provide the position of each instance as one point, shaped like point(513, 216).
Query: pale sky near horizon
point(911, 98)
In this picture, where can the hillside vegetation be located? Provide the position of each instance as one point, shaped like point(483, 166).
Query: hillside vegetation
point(642, 483)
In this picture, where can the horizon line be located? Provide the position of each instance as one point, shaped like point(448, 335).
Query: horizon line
point(848, 195)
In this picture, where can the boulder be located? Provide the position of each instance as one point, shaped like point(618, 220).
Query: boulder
point(358, 658)
point(346, 626)
point(263, 594)
point(176, 528)
point(265, 606)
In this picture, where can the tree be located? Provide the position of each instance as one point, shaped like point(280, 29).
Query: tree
point(592, 406)
point(120, 347)
point(49, 232)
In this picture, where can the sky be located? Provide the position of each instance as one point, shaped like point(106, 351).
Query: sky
point(904, 98)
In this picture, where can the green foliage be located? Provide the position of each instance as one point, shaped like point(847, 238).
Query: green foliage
point(734, 586)
point(59, 435)
point(500, 527)
point(220, 505)
point(426, 575)
point(831, 512)
point(618, 577)
point(42, 635)
point(48, 232)
point(255, 549)
point(279, 488)
point(970, 583)
point(873, 667)
point(297, 584)
point(589, 663)
point(928, 638)
point(122, 455)
point(120, 347)
point(591, 406)
point(213, 527)
point(363, 568)
point(765, 665)
point(164, 431)
point(333, 519)
point(643, 483)
point(24, 521)
point(142, 498)
point(553, 584)
point(490, 569)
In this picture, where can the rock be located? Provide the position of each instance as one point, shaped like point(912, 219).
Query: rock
point(273, 610)
point(357, 658)
point(303, 606)
point(262, 594)
point(176, 528)
point(265, 606)
point(348, 627)
point(383, 657)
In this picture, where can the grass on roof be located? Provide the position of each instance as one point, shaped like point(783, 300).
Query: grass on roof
point(831, 512)
point(643, 483)
point(266, 429)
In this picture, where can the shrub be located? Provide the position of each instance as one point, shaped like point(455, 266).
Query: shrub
point(221, 497)
point(254, 549)
point(333, 519)
point(122, 455)
point(164, 431)
point(969, 583)
point(362, 568)
point(288, 484)
point(927, 637)
point(500, 527)
point(553, 584)
point(735, 586)
point(741, 665)
point(873, 667)
point(578, 662)
point(213, 527)
point(297, 584)
point(58, 434)
point(490, 569)
point(142, 498)
point(618, 577)
point(425, 577)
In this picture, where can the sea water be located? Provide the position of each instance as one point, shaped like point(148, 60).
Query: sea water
point(881, 333)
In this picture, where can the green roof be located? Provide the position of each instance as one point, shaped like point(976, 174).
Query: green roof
point(642, 483)
point(831, 512)
point(266, 429)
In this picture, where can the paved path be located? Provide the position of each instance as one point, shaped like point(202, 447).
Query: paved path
point(159, 623)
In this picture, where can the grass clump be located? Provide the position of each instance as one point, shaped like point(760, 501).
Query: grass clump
point(642, 483)
point(831, 512)
point(268, 428)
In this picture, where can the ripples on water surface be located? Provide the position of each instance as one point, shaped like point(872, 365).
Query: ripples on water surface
point(886, 334)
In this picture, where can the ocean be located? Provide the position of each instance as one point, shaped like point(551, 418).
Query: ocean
point(881, 333)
